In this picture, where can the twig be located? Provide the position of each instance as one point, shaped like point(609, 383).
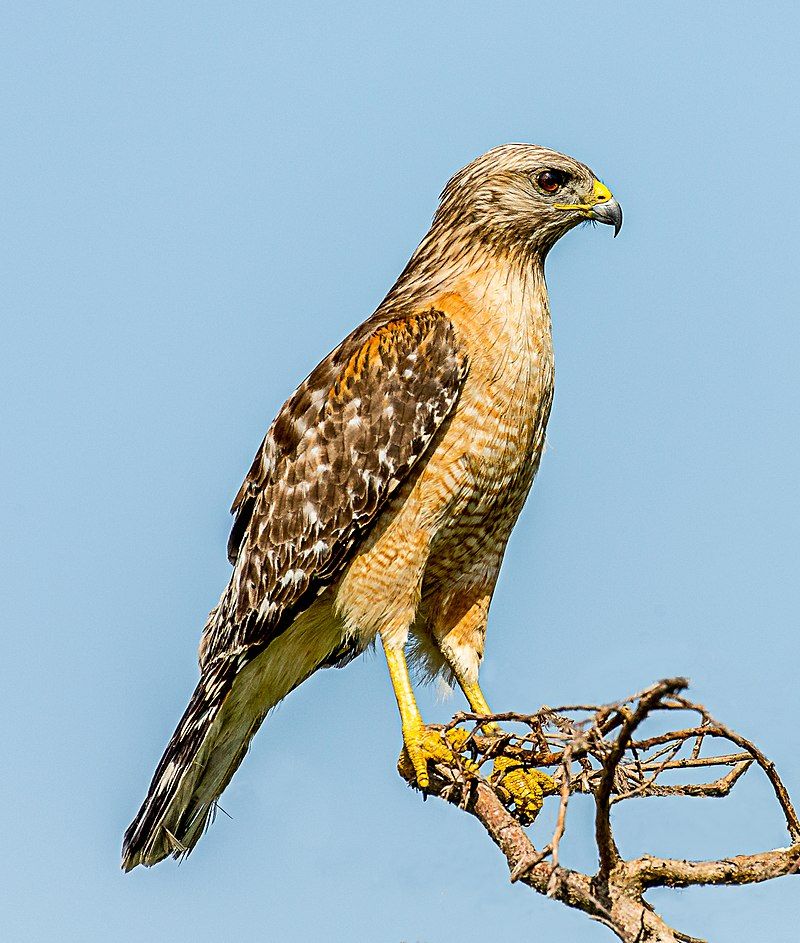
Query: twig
point(606, 846)
point(612, 766)
point(782, 795)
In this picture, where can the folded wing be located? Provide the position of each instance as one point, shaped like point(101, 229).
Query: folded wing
point(339, 449)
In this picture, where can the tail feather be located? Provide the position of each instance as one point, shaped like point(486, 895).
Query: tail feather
point(226, 709)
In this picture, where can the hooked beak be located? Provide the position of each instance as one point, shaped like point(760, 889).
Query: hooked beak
point(610, 213)
point(600, 206)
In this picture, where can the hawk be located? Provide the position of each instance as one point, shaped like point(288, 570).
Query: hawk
point(382, 497)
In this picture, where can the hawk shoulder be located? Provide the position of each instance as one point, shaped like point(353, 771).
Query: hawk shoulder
point(337, 451)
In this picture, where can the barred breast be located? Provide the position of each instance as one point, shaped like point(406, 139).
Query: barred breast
point(498, 431)
point(449, 525)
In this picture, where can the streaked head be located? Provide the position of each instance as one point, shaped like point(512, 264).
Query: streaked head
point(526, 194)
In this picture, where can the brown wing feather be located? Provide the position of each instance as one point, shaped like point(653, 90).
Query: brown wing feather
point(336, 452)
point(301, 410)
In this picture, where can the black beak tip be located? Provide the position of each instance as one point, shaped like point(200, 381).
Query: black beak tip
point(609, 213)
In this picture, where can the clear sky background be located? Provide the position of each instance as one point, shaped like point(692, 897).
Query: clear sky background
point(198, 201)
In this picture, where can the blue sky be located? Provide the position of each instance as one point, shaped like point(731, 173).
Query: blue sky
point(199, 201)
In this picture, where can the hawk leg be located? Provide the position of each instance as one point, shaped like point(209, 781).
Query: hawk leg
point(421, 744)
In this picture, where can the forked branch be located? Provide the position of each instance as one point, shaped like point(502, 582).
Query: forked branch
point(592, 749)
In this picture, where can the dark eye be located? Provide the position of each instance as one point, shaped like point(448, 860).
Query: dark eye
point(550, 180)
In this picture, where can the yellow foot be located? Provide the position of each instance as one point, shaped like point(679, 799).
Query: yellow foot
point(422, 745)
point(525, 788)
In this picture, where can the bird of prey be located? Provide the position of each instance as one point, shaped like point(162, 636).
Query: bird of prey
point(383, 495)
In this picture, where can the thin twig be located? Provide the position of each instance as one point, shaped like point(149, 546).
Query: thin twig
point(606, 846)
point(781, 793)
point(612, 766)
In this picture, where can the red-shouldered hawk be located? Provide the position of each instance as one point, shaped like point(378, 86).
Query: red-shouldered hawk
point(383, 495)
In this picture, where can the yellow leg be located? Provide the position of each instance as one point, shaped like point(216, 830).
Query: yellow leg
point(422, 744)
point(477, 701)
point(526, 788)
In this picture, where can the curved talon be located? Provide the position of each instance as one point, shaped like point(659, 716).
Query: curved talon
point(429, 744)
point(525, 788)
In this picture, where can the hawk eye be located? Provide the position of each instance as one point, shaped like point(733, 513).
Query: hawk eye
point(550, 180)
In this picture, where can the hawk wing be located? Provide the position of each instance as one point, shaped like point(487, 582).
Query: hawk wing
point(338, 450)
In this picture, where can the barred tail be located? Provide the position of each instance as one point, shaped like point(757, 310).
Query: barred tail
point(227, 708)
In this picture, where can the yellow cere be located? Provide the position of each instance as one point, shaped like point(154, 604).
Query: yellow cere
point(601, 193)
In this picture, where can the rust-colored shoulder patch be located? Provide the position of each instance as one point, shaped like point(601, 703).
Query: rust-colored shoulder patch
point(339, 448)
point(412, 336)
point(453, 305)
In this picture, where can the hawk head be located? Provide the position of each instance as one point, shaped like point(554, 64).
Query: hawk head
point(525, 195)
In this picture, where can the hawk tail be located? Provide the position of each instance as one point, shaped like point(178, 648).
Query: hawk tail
point(225, 711)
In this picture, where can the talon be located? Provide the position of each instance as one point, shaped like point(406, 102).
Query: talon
point(525, 788)
point(423, 745)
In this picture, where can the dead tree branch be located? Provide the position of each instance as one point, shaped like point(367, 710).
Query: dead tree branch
point(591, 749)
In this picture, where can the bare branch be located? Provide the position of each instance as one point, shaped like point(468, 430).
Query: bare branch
point(741, 869)
point(713, 790)
point(781, 793)
point(648, 699)
point(593, 751)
